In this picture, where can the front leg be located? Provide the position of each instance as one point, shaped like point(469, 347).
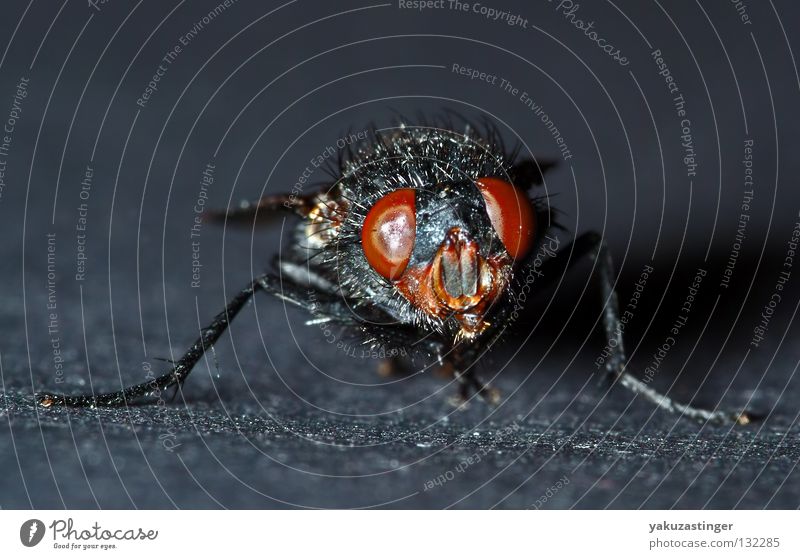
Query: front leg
point(592, 244)
point(175, 377)
point(319, 304)
point(264, 210)
point(459, 362)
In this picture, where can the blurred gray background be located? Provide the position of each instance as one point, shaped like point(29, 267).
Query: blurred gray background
point(276, 417)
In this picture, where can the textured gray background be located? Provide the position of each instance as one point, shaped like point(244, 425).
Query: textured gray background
point(277, 417)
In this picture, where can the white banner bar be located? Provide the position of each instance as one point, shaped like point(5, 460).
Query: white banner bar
point(396, 534)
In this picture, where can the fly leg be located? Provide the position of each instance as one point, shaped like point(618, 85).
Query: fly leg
point(175, 377)
point(208, 336)
point(265, 208)
point(458, 363)
point(592, 244)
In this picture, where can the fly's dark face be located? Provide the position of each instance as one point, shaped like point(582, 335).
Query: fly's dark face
point(428, 225)
point(449, 249)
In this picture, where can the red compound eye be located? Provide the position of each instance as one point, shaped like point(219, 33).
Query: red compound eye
point(389, 231)
point(511, 214)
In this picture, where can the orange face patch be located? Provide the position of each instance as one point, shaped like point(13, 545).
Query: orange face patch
point(458, 282)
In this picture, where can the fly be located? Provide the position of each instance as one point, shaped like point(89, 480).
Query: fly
point(420, 241)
